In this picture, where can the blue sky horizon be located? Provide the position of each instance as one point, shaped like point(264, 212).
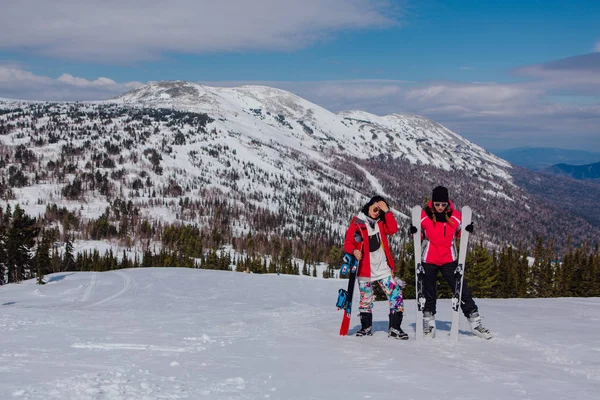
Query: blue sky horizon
point(502, 74)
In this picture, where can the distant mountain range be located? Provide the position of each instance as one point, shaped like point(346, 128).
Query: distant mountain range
point(581, 172)
point(576, 164)
point(252, 160)
point(538, 158)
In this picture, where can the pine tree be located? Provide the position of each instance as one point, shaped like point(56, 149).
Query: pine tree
point(577, 282)
point(535, 287)
point(42, 258)
point(20, 240)
point(595, 272)
point(3, 260)
point(480, 271)
point(504, 268)
point(68, 258)
point(522, 273)
point(408, 272)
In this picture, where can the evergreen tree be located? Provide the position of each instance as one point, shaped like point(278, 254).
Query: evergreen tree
point(68, 261)
point(20, 241)
point(504, 269)
point(595, 273)
point(408, 271)
point(3, 260)
point(522, 273)
point(577, 279)
point(538, 270)
point(480, 271)
point(272, 269)
point(42, 257)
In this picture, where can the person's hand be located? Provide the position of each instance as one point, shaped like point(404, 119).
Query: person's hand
point(469, 228)
point(413, 229)
point(382, 206)
point(357, 254)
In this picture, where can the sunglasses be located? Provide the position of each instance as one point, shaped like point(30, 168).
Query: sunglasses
point(436, 204)
point(375, 209)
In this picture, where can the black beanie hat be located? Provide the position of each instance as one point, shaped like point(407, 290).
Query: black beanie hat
point(440, 193)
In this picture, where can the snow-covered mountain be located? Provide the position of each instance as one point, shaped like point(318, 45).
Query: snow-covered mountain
point(275, 116)
point(177, 150)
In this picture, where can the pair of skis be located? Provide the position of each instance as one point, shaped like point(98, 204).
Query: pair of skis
point(458, 273)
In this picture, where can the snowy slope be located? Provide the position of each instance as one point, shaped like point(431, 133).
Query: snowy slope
point(254, 110)
point(180, 334)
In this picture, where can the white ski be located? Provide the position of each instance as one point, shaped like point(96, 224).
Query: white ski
point(419, 271)
point(460, 272)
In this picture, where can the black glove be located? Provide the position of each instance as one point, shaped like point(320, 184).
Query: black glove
point(469, 228)
point(412, 229)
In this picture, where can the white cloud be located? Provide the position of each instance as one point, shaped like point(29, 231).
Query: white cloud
point(579, 75)
point(72, 80)
point(126, 30)
point(18, 83)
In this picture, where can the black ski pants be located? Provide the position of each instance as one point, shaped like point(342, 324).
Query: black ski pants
point(467, 305)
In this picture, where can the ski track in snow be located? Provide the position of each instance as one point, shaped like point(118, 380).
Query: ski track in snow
point(127, 284)
point(194, 334)
point(89, 290)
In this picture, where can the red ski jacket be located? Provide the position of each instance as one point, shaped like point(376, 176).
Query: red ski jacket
point(440, 247)
point(387, 226)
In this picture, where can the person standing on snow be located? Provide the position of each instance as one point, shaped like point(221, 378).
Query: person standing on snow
point(366, 239)
point(440, 226)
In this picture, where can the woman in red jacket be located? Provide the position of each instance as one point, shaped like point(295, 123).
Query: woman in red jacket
point(440, 226)
point(366, 239)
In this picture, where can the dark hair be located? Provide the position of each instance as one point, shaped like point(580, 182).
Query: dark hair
point(374, 199)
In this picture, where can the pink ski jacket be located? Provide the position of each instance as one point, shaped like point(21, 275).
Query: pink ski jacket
point(440, 247)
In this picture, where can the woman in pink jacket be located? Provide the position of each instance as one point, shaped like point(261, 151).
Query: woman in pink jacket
point(366, 239)
point(440, 227)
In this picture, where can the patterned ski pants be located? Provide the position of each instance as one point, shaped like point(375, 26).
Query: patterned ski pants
point(392, 290)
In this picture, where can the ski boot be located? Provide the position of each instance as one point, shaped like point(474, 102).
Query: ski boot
point(394, 330)
point(366, 322)
point(428, 325)
point(477, 326)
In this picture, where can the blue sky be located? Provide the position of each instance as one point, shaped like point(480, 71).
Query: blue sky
point(501, 73)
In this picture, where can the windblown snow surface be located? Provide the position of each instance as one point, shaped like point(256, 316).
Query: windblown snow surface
point(195, 334)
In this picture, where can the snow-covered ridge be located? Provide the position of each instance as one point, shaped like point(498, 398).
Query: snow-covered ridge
point(256, 110)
